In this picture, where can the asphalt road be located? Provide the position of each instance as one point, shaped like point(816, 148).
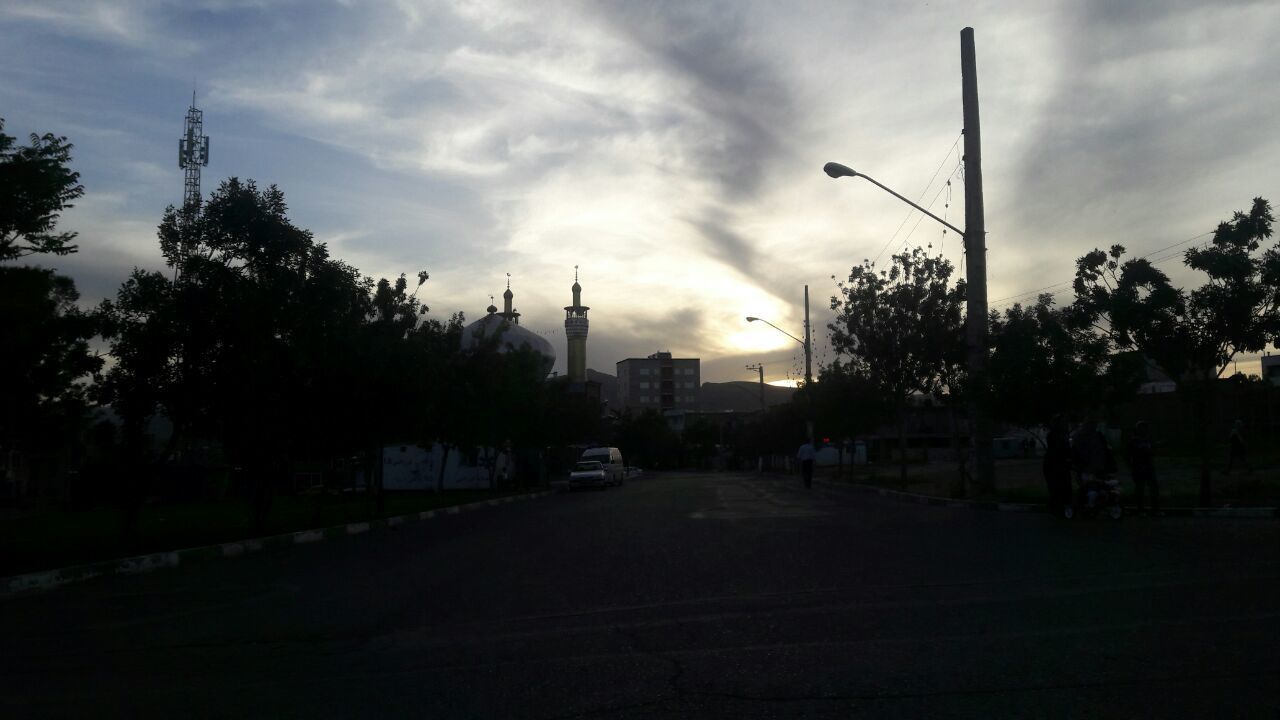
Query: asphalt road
point(680, 596)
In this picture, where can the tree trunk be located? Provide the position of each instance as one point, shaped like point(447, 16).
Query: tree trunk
point(380, 505)
point(129, 475)
point(444, 461)
point(261, 493)
point(902, 440)
point(1208, 430)
point(955, 449)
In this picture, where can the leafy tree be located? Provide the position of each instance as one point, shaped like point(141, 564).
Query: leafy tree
point(648, 440)
point(901, 328)
point(698, 443)
point(255, 343)
point(1044, 364)
point(46, 350)
point(46, 355)
point(1191, 336)
point(847, 402)
point(36, 184)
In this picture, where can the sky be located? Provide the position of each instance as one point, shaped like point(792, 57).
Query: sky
point(672, 151)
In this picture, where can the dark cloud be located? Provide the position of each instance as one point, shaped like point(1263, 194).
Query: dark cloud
point(726, 245)
point(1137, 116)
point(735, 85)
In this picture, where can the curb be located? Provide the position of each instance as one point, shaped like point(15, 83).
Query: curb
point(48, 579)
point(900, 496)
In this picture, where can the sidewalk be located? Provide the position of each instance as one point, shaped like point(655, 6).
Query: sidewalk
point(1022, 481)
point(48, 579)
point(1014, 506)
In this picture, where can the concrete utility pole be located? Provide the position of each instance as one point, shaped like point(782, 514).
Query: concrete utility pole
point(975, 248)
point(808, 368)
point(808, 343)
point(760, 368)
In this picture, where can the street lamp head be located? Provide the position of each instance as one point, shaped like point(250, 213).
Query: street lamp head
point(752, 319)
point(836, 170)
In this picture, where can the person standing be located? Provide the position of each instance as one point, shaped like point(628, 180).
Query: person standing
point(1143, 467)
point(806, 455)
point(1236, 458)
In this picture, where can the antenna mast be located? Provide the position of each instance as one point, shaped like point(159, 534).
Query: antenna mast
point(193, 153)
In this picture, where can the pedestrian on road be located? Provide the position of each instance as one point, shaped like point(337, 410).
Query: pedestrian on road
point(806, 455)
point(1237, 456)
point(1057, 464)
point(1143, 467)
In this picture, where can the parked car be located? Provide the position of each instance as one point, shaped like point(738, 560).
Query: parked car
point(633, 471)
point(611, 459)
point(589, 473)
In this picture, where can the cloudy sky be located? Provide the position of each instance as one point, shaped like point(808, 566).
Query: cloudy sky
point(672, 150)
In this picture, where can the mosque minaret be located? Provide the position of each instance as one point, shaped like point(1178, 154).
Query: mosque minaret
point(575, 330)
point(507, 311)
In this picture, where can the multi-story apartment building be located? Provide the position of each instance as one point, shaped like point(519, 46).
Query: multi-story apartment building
point(659, 382)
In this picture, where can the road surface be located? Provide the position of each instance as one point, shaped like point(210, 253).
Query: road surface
point(680, 595)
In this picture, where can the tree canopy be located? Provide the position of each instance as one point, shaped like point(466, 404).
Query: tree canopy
point(1189, 335)
point(46, 355)
point(902, 328)
point(36, 185)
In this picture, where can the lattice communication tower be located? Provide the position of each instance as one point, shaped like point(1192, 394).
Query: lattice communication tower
point(193, 153)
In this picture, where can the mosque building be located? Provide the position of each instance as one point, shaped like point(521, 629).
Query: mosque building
point(505, 326)
point(412, 467)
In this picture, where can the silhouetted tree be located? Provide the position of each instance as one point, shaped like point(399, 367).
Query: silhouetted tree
point(36, 184)
point(698, 443)
point(45, 334)
point(648, 440)
point(46, 356)
point(1042, 364)
point(1191, 336)
point(847, 403)
point(255, 343)
point(900, 328)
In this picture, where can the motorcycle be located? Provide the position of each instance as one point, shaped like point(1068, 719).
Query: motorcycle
point(1094, 497)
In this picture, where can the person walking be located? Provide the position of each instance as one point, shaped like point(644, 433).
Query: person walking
point(1236, 458)
point(1057, 464)
point(806, 455)
point(1143, 467)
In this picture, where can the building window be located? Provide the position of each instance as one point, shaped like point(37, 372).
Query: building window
point(644, 386)
point(644, 398)
point(644, 371)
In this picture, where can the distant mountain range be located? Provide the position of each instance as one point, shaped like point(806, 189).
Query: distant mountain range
point(738, 395)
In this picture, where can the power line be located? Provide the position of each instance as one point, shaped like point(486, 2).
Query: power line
point(946, 157)
point(932, 202)
point(1016, 297)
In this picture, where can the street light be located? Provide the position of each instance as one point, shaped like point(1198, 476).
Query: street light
point(806, 343)
point(836, 170)
point(976, 320)
point(775, 327)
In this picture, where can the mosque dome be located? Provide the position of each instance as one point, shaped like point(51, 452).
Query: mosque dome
point(512, 337)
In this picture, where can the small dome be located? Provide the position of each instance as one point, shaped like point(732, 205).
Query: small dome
point(513, 337)
point(508, 294)
point(491, 309)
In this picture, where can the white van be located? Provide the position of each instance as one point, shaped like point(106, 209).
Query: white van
point(614, 469)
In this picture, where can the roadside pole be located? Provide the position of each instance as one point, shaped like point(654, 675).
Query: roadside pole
point(975, 246)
